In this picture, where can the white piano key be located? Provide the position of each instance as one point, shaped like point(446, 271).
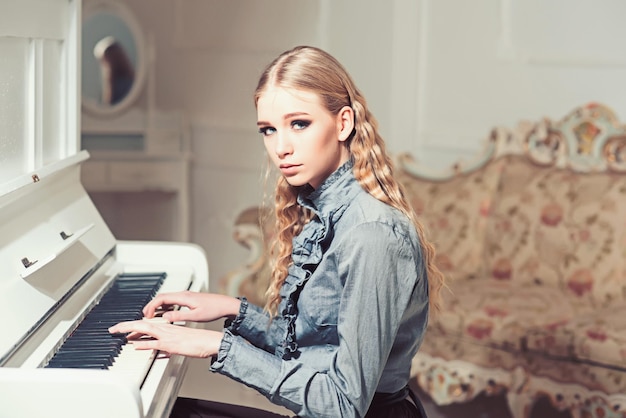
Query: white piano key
point(133, 365)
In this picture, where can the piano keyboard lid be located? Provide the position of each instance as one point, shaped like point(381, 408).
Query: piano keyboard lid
point(51, 237)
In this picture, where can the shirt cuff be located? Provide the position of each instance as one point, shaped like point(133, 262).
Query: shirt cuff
point(217, 362)
point(233, 324)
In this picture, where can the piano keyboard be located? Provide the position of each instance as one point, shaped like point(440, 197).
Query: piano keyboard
point(91, 346)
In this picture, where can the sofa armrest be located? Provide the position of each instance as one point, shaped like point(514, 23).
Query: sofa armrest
point(251, 278)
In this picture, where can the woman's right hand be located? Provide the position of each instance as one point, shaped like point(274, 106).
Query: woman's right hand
point(202, 307)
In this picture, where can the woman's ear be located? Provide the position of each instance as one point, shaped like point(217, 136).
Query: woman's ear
point(345, 123)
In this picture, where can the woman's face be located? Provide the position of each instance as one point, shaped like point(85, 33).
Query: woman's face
point(304, 140)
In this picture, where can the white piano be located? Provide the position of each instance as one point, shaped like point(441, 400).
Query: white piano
point(64, 278)
point(58, 260)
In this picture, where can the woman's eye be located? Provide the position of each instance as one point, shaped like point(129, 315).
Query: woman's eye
point(266, 130)
point(300, 124)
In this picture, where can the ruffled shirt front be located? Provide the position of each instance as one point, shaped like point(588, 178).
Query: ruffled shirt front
point(353, 312)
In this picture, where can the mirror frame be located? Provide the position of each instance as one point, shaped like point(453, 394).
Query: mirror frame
point(90, 9)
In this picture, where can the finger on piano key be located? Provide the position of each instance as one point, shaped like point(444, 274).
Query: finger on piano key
point(138, 335)
point(133, 328)
point(163, 302)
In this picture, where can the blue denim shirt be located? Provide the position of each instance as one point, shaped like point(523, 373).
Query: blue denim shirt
point(353, 312)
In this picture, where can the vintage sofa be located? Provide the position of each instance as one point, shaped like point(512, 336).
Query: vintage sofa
point(532, 236)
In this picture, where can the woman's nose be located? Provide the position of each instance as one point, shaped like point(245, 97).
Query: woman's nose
point(283, 146)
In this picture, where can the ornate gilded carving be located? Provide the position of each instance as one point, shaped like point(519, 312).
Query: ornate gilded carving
point(586, 134)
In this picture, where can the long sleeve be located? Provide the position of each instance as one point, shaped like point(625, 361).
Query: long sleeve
point(253, 324)
point(378, 272)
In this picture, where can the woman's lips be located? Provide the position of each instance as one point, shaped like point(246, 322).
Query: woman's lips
point(289, 169)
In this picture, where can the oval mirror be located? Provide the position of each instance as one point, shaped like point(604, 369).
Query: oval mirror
point(113, 58)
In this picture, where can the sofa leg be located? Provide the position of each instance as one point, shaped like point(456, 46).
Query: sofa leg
point(520, 399)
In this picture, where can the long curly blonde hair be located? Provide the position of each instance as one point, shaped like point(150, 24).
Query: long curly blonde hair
point(312, 69)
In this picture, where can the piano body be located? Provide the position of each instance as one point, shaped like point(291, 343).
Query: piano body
point(64, 278)
point(58, 261)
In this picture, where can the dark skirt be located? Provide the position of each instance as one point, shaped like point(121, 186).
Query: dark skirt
point(382, 407)
point(196, 408)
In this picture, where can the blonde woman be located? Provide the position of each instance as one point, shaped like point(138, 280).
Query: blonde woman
point(353, 278)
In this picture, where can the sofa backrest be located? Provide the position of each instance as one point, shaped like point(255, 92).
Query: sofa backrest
point(545, 205)
point(454, 211)
point(455, 204)
point(559, 216)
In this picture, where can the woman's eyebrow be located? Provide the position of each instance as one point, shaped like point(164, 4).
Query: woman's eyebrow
point(294, 114)
point(285, 117)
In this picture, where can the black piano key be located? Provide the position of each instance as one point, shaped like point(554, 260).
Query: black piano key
point(85, 358)
point(90, 345)
point(93, 350)
point(78, 363)
point(87, 337)
point(77, 366)
point(92, 341)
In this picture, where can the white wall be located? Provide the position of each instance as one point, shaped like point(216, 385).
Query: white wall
point(437, 74)
point(492, 62)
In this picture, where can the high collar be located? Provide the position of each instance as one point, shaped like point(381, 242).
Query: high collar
point(332, 194)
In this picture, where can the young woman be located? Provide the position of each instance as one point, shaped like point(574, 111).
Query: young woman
point(353, 276)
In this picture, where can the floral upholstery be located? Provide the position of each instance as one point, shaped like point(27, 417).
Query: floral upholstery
point(596, 338)
point(592, 376)
point(554, 228)
point(533, 241)
point(448, 380)
point(497, 314)
point(454, 212)
point(450, 348)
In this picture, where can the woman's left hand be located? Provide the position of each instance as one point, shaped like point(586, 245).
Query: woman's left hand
point(173, 339)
